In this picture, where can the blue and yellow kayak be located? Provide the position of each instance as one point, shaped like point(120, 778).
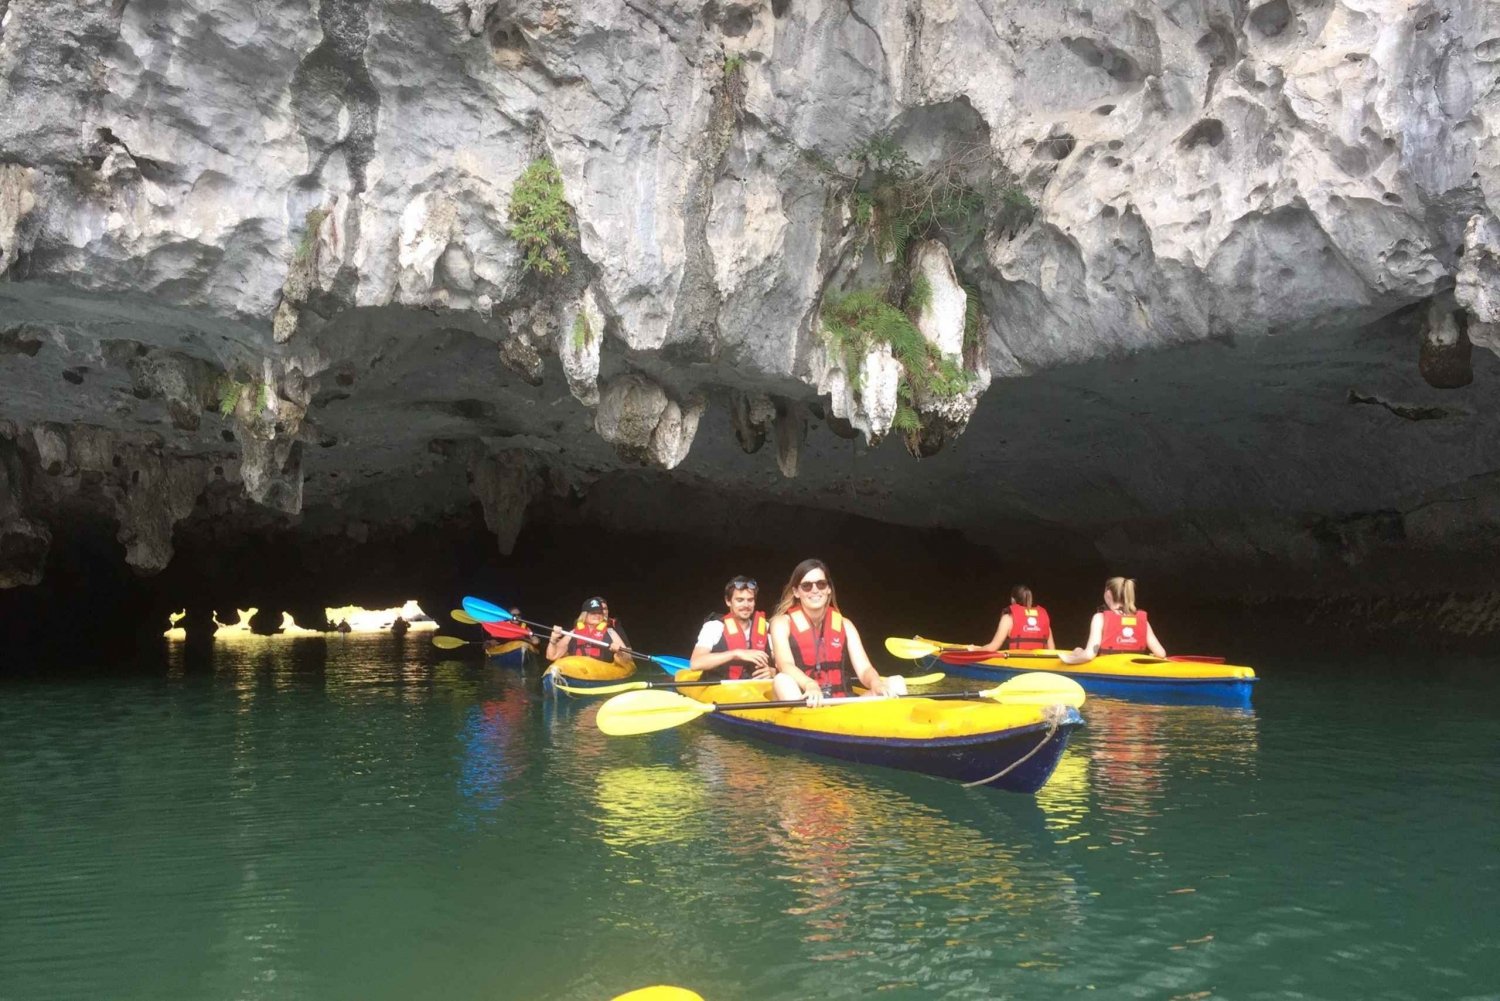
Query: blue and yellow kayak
point(962, 740)
point(511, 653)
point(1119, 675)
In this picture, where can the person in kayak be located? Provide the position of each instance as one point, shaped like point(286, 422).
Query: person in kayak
point(1119, 626)
point(736, 645)
point(1025, 625)
point(600, 639)
point(817, 651)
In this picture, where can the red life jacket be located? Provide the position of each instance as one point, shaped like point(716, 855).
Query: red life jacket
point(1123, 633)
point(1029, 628)
point(821, 653)
point(735, 638)
point(584, 648)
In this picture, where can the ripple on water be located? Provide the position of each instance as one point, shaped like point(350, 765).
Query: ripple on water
point(356, 818)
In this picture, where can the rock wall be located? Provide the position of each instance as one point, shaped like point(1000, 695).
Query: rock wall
point(271, 253)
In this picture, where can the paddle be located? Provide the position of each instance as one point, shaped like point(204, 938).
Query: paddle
point(459, 615)
point(915, 648)
point(453, 642)
point(485, 611)
point(646, 712)
point(506, 630)
point(635, 686)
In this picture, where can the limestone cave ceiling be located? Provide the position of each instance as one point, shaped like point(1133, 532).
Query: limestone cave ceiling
point(1196, 283)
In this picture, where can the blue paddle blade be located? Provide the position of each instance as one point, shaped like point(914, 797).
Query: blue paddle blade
point(673, 664)
point(484, 611)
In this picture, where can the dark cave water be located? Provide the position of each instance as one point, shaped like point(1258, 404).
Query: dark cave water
point(364, 817)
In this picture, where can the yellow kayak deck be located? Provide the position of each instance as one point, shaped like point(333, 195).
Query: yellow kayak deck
point(891, 719)
point(589, 669)
point(1119, 665)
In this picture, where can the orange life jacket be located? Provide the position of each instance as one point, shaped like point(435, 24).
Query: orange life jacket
point(1029, 628)
point(596, 646)
point(737, 638)
point(821, 653)
point(1123, 633)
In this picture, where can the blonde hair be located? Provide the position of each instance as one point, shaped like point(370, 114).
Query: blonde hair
point(789, 593)
point(1122, 589)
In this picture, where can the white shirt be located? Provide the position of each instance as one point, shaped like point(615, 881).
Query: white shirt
point(711, 633)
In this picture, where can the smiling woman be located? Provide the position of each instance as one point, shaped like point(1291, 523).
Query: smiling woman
point(817, 651)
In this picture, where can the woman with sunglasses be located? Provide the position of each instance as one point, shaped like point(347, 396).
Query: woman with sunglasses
point(818, 652)
point(734, 646)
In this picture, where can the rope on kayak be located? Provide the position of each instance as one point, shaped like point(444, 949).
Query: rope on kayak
point(1055, 716)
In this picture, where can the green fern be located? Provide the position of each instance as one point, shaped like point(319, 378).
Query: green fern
point(540, 219)
point(907, 421)
point(857, 323)
point(229, 395)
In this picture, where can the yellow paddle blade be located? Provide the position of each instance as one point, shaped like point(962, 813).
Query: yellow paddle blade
point(1038, 688)
point(920, 679)
point(925, 679)
point(648, 711)
point(459, 615)
point(898, 646)
point(628, 686)
point(448, 642)
point(661, 992)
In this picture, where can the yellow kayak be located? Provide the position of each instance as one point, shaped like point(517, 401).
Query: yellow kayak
point(1120, 674)
point(962, 740)
point(586, 672)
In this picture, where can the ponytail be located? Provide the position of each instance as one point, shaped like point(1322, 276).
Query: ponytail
point(1122, 589)
point(1021, 595)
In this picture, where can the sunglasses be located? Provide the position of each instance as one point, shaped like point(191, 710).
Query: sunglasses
point(809, 586)
point(744, 584)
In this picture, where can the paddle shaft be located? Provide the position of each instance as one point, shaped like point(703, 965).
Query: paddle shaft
point(670, 663)
point(792, 703)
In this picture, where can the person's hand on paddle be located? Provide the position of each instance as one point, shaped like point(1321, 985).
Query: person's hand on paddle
point(814, 693)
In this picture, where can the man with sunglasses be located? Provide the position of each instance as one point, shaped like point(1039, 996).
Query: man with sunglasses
point(736, 645)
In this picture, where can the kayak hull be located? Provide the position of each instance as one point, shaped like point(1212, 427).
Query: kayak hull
point(512, 653)
point(1026, 749)
point(1118, 676)
point(585, 672)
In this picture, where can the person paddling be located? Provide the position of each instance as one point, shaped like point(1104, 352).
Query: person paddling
point(1025, 625)
point(600, 638)
point(735, 645)
point(817, 651)
point(1119, 626)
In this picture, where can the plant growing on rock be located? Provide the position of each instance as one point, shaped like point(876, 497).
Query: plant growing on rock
point(857, 323)
point(229, 393)
point(582, 332)
point(540, 218)
point(309, 239)
point(898, 200)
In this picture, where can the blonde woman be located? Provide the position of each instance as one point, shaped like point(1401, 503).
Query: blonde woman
point(818, 652)
point(1025, 625)
point(1119, 626)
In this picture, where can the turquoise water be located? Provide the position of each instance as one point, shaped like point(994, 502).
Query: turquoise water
point(364, 819)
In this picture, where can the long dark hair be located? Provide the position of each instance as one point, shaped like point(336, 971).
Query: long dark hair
point(1021, 595)
point(789, 593)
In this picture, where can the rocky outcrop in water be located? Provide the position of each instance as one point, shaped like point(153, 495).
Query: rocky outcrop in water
point(296, 249)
